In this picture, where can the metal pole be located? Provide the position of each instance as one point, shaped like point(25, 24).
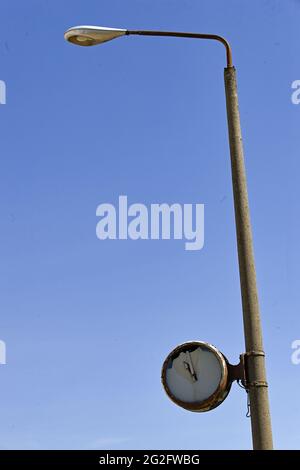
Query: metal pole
point(254, 357)
point(255, 360)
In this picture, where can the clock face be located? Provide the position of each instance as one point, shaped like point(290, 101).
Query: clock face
point(195, 376)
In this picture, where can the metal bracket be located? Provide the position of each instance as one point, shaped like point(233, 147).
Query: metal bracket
point(238, 371)
point(254, 353)
point(256, 383)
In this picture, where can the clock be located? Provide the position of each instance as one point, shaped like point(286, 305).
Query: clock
point(195, 376)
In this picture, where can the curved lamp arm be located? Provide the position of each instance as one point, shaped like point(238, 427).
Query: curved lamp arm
point(213, 37)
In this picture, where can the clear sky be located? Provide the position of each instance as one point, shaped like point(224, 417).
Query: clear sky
point(88, 323)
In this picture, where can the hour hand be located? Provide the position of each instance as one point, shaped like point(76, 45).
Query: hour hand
point(189, 366)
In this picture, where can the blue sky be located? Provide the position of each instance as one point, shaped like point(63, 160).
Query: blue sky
point(87, 323)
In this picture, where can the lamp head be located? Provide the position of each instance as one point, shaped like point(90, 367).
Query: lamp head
point(92, 35)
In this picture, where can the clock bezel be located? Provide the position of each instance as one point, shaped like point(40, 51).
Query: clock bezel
point(220, 393)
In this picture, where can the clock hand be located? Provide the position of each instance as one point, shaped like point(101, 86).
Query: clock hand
point(189, 366)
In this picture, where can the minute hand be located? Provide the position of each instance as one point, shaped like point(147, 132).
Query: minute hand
point(191, 367)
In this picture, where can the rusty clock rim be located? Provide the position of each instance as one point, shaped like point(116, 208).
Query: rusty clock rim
point(215, 398)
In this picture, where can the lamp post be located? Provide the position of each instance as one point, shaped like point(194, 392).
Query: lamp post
point(256, 383)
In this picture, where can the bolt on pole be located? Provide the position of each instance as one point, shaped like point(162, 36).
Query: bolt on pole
point(256, 381)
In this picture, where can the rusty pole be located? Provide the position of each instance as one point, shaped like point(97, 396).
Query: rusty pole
point(255, 357)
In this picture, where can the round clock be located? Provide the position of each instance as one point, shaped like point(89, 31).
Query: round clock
point(195, 376)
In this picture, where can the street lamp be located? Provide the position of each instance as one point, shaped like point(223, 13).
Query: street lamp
point(254, 357)
point(92, 35)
